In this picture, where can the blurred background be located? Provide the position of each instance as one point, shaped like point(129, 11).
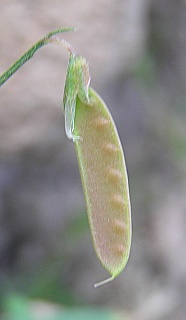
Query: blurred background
point(137, 56)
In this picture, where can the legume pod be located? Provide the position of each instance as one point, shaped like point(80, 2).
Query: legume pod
point(105, 183)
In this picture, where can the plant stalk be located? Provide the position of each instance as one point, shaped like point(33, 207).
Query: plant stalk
point(29, 54)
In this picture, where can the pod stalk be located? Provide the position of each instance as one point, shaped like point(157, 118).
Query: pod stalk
point(29, 54)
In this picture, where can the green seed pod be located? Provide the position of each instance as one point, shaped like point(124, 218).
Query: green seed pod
point(105, 183)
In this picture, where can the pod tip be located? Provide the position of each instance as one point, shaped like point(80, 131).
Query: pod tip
point(103, 282)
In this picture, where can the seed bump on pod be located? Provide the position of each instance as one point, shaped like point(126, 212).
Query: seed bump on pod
point(100, 122)
point(110, 147)
point(119, 249)
point(118, 201)
point(119, 225)
point(114, 174)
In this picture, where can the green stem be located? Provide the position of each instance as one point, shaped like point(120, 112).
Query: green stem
point(29, 54)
